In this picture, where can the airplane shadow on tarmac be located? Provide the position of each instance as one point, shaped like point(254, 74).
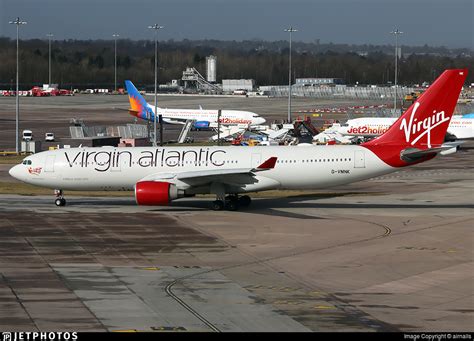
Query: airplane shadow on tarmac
point(271, 206)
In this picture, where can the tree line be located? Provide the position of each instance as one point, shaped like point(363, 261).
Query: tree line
point(90, 63)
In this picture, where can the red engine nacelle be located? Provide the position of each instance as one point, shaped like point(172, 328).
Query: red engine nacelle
point(155, 193)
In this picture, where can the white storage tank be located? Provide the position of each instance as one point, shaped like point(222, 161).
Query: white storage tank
point(211, 63)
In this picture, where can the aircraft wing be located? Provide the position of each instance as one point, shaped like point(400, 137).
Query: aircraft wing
point(198, 178)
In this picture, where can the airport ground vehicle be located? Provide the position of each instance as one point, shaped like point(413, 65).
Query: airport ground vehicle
point(49, 137)
point(158, 175)
point(412, 96)
point(239, 92)
point(27, 135)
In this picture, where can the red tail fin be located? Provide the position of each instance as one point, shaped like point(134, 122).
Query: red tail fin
point(425, 123)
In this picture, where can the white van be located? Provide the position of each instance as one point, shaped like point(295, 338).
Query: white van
point(27, 135)
point(49, 137)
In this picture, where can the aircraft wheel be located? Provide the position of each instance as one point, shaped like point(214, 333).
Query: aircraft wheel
point(218, 205)
point(60, 202)
point(245, 200)
point(233, 205)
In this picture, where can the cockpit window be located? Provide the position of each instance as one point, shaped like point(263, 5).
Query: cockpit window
point(26, 162)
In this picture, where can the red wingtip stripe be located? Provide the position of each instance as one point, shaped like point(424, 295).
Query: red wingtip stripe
point(269, 164)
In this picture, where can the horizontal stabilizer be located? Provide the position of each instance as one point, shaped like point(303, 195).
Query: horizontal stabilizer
point(413, 154)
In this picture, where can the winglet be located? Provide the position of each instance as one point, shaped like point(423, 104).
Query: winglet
point(268, 164)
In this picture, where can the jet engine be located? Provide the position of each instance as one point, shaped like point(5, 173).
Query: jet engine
point(156, 193)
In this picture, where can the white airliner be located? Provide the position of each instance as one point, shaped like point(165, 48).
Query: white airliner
point(203, 118)
point(460, 127)
point(159, 175)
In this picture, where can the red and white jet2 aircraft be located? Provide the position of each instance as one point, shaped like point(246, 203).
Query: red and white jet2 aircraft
point(159, 175)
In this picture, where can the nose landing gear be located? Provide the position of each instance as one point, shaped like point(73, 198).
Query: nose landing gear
point(60, 201)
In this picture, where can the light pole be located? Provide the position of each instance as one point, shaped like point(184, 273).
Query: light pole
point(396, 33)
point(290, 30)
point(49, 35)
point(156, 27)
point(115, 61)
point(17, 22)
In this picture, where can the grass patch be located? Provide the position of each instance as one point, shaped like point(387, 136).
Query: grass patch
point(11, 159)
point(26, 189)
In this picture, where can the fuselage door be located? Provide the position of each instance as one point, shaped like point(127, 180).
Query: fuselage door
point(359, 159)
point(49, 165)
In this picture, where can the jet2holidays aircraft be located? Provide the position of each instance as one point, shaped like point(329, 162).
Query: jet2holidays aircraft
point(202, 118)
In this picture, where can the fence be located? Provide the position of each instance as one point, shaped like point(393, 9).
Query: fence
point(338, 92)
point(129, 131)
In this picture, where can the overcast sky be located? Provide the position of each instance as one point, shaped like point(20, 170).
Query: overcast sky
point(433, 22)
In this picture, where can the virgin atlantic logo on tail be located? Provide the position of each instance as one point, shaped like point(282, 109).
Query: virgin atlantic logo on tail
point(414, 126)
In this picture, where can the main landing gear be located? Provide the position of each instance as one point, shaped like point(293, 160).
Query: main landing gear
point(231, 202)
point(60, 201)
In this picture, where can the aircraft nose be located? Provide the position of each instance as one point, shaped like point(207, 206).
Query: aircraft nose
point(15, 171)
point(261, 120)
